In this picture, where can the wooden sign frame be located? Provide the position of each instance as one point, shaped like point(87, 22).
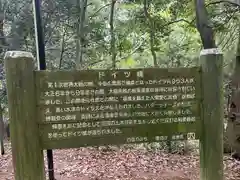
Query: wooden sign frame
point(70, 109)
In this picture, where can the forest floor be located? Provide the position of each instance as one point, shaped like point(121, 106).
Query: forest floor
point(122, 164)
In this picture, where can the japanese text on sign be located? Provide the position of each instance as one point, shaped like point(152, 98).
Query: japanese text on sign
point(147, 104)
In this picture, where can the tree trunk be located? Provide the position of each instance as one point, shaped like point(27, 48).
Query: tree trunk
point(82, 6)
point(203, 25)
point(3, 42)
point(113, 39)
point(151, 28)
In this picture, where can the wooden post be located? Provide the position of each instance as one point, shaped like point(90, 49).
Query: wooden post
point(28, 159)
point(211, 142)
point(1, 131)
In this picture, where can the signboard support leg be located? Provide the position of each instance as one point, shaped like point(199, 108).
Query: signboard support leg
point(1, 131)
point(28, 159)
point(211, 141)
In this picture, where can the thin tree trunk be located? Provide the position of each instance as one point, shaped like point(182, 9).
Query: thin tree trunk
point(151, 32)
point(3, 43)
point(62, 50)
point(78, 36)
point(82, 6)
point(113, 40)
point(3, 39)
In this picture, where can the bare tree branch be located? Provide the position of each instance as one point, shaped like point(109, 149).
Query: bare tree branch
point(224, 1)
point(101, 8)
point(180, 20)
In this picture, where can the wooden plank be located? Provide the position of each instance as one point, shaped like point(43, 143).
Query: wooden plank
point(106, 110)
point(119, 74)
point(146, 113)
point(98, 101)
point(110, 140)
point(211, 141)
point(115, 136)
point(103, 107)
point(116, 122)
point(129, 78)
point(147, 127)
point(150, 93)
point(116, 140)
point(28, 159)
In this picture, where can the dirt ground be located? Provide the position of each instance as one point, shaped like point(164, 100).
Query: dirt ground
point(122, 164)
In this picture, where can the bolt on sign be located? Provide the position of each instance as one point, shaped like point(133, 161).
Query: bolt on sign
point(102, 107)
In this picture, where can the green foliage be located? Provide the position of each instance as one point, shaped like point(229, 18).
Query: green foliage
point(176, 40)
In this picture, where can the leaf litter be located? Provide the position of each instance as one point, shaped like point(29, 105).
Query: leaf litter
point(122, 164)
